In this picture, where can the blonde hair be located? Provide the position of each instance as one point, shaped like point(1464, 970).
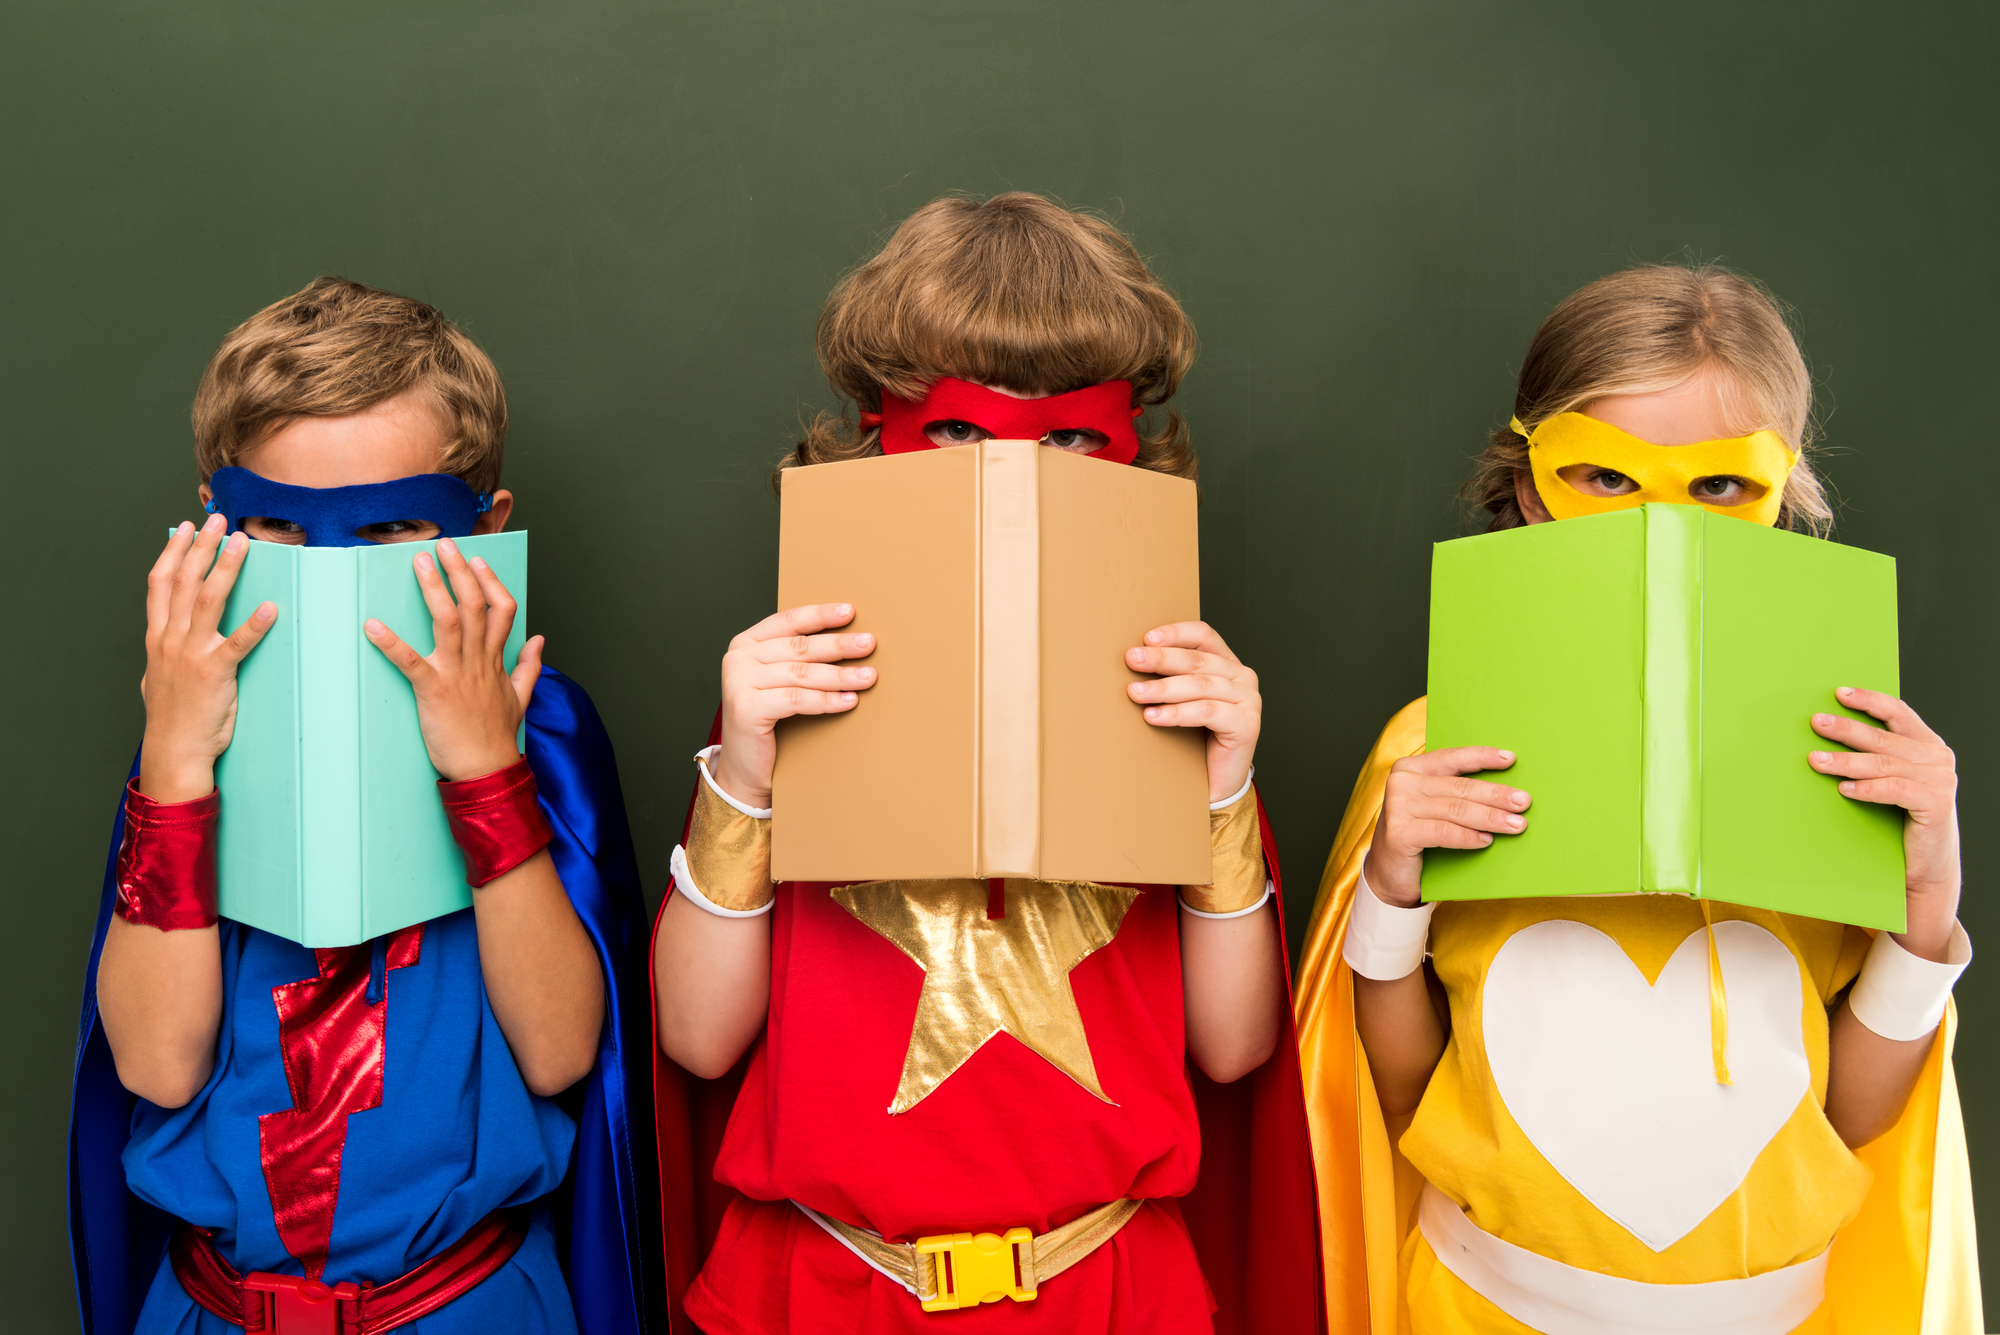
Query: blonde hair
point(1013, 291)
point(1647, 329)
point(338, 348)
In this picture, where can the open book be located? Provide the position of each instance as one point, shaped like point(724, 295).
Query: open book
point(1656, 671)
point(332, 831)
point(1004, 582)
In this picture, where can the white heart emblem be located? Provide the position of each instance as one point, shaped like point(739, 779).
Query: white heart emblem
point(1614, 1080)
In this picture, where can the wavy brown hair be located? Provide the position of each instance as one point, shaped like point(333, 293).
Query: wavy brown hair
point(336, 348)
point(1647, 329)
point(1015, 291)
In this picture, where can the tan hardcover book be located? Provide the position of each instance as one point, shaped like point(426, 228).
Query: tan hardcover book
point(1004, 582)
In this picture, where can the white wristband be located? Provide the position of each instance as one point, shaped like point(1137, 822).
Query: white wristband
point(706, 757)
point(1385, 942)
point(1262, 899)
point(1902, 996)
point(684, 886)
point(1233, 799)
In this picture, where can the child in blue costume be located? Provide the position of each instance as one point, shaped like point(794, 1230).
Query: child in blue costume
point(430, 1131)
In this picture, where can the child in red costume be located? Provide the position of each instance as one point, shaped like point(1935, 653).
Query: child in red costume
point(970, 1057)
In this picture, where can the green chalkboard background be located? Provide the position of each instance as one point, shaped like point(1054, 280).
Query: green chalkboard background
point(638, 207)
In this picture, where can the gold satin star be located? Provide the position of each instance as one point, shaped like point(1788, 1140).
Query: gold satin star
point(987, 976)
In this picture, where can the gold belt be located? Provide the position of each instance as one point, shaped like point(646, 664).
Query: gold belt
point(965, 1269)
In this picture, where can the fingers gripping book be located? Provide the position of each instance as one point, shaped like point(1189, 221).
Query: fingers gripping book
point(1656, 670)
point(332, 832)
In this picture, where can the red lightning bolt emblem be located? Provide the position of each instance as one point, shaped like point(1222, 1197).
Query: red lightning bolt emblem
point(331, 1032)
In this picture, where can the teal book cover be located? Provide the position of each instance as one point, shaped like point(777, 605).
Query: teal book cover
point(332, 832)
point(1655, 670)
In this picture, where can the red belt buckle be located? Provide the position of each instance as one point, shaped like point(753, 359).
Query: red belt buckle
point(295, 1305)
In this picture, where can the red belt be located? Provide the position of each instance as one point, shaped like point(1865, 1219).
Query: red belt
point(294, 1305)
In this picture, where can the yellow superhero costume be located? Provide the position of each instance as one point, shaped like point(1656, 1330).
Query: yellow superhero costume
point(1725, 1198)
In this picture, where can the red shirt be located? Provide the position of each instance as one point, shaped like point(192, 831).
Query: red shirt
point(1004, 1137)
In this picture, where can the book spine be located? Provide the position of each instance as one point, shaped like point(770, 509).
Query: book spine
point(1670, 779)
point(330, 645)
point(1010, 660)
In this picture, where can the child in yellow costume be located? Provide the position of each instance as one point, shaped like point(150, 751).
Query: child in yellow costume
point(1485, 1161)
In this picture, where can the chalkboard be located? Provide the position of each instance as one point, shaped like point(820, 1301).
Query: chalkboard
point(637, 208)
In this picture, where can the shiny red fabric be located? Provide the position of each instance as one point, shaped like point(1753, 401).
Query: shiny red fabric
point(1106, 409)
point(346, 1309)
point(496, 820)
point(1250, 1214)
point(166, 866)
point(331, 1030)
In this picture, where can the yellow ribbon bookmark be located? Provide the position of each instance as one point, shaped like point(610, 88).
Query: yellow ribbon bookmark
point(1718, 1004)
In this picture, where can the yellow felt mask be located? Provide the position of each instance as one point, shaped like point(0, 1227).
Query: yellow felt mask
point(1665, 473)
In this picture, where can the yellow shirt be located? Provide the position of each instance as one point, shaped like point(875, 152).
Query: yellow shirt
point(1576, 1110)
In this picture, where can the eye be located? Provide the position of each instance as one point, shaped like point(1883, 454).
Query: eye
point(1076, 440)
point(398, 530)
point(1723, 490)
point(954, 432)
point(273, 530)
point(1614, 483)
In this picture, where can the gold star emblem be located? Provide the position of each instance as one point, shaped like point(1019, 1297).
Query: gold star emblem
point(984, 976)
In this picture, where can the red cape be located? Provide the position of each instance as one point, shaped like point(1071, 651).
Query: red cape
point(1251, 1214)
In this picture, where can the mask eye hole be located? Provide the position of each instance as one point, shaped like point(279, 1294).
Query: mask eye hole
point(1076, 440)
point(262, 529)
point(398, 530)
point(952, 431)
point(1723, 489)
point(1598, 480)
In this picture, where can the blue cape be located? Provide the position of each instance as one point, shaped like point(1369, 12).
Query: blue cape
point(607, 1210)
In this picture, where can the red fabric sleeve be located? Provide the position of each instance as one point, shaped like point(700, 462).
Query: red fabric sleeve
point(496, 821)
point(166, 865)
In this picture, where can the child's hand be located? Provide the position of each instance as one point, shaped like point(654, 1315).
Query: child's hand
point(1201, 685)
point(190, 681)
point(468, 706)
point(1909, 766)
point(779, 667)
point(1428, 803)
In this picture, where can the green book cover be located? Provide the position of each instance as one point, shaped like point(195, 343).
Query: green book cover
point(332, 832)
point(1655, 672)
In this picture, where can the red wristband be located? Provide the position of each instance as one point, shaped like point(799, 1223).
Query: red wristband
point(496, 820)
point(166, 866)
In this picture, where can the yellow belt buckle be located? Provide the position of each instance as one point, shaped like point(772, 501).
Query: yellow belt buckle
point(976, 1269)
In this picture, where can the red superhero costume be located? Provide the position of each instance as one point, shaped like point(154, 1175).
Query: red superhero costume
point(953, 1057)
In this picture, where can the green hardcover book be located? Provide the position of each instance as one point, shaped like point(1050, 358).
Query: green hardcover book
point(332, 832)
point(1655, 671)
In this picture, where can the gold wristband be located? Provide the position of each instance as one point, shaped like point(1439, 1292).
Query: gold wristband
point(1236, 847)
point(728, 853)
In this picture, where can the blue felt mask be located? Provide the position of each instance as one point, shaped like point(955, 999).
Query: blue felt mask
point(335, 516)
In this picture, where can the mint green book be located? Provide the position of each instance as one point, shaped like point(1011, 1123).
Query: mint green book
point(1655, 671)
point(332, 832)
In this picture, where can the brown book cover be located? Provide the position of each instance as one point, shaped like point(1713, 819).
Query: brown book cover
point(1004, 582)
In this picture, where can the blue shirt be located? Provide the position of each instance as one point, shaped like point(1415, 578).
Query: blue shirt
point(457, 1135)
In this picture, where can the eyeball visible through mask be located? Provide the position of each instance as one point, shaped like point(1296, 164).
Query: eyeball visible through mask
point(1665, 473)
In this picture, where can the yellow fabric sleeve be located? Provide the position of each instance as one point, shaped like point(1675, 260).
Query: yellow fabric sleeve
point(1908, 1262)
point(728, 853)
point(1236, 846)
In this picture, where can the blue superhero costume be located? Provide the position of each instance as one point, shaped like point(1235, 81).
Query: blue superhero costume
point(453, 1133)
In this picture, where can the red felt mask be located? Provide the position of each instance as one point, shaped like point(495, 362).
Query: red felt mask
point(1106, 409)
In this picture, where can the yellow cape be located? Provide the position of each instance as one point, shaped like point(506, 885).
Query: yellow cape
point(1907, 1263)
